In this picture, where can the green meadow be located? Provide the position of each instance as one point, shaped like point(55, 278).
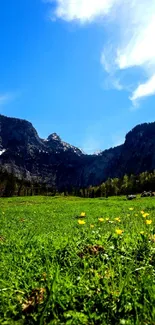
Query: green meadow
point(58, 267)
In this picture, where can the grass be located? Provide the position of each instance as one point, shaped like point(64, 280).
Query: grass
point(54, 270)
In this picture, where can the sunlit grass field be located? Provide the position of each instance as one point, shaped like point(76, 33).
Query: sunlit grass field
point(77, 261)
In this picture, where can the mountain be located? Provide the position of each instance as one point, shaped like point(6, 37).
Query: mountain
point(57, 163)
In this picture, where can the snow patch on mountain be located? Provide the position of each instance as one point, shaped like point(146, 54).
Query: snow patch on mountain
point(2, 151)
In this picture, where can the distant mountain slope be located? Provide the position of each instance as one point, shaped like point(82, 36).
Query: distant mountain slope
point(55, 162)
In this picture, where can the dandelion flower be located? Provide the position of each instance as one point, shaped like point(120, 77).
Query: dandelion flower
point(101, 219)
point(91, 226)
point(118, 219)
point(142, 232)
point(131, 209)
point(142, 212)
point(107, 219)
point(81, 222)
point(145, 215)
point(83, 214)
point(119, 231)
point(148, 222)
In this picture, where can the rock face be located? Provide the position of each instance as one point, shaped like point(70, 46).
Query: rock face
point(55, 162)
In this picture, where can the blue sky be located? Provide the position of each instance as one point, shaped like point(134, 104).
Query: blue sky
point(85, 70)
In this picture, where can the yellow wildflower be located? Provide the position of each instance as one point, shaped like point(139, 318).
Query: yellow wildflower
point(118, 219)
point(136, 215)
point(81, 222)
point(142, 232)
point(131, 209)
point(91, 226)
point(107, 219)
point(119, 231)
point(83, 214)
point(142, 212)
point(145, 215)
point(148, 222)
point(101, 219)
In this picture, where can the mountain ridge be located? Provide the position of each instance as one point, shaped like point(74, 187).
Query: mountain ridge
point(55, 162)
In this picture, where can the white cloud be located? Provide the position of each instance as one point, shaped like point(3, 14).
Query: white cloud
point(140, 48)
point(132, 39)
point(135, 46)
point(144, 90)
point(82, 10)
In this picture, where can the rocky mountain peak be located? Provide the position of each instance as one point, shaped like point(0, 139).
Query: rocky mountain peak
point(54, 137)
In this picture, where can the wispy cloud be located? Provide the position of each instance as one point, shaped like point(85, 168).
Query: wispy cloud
point(113, 83)
point(144, 90)
point(132, 43)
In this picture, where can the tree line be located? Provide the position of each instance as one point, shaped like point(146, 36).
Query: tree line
point(129, 184)
point(10, 185)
